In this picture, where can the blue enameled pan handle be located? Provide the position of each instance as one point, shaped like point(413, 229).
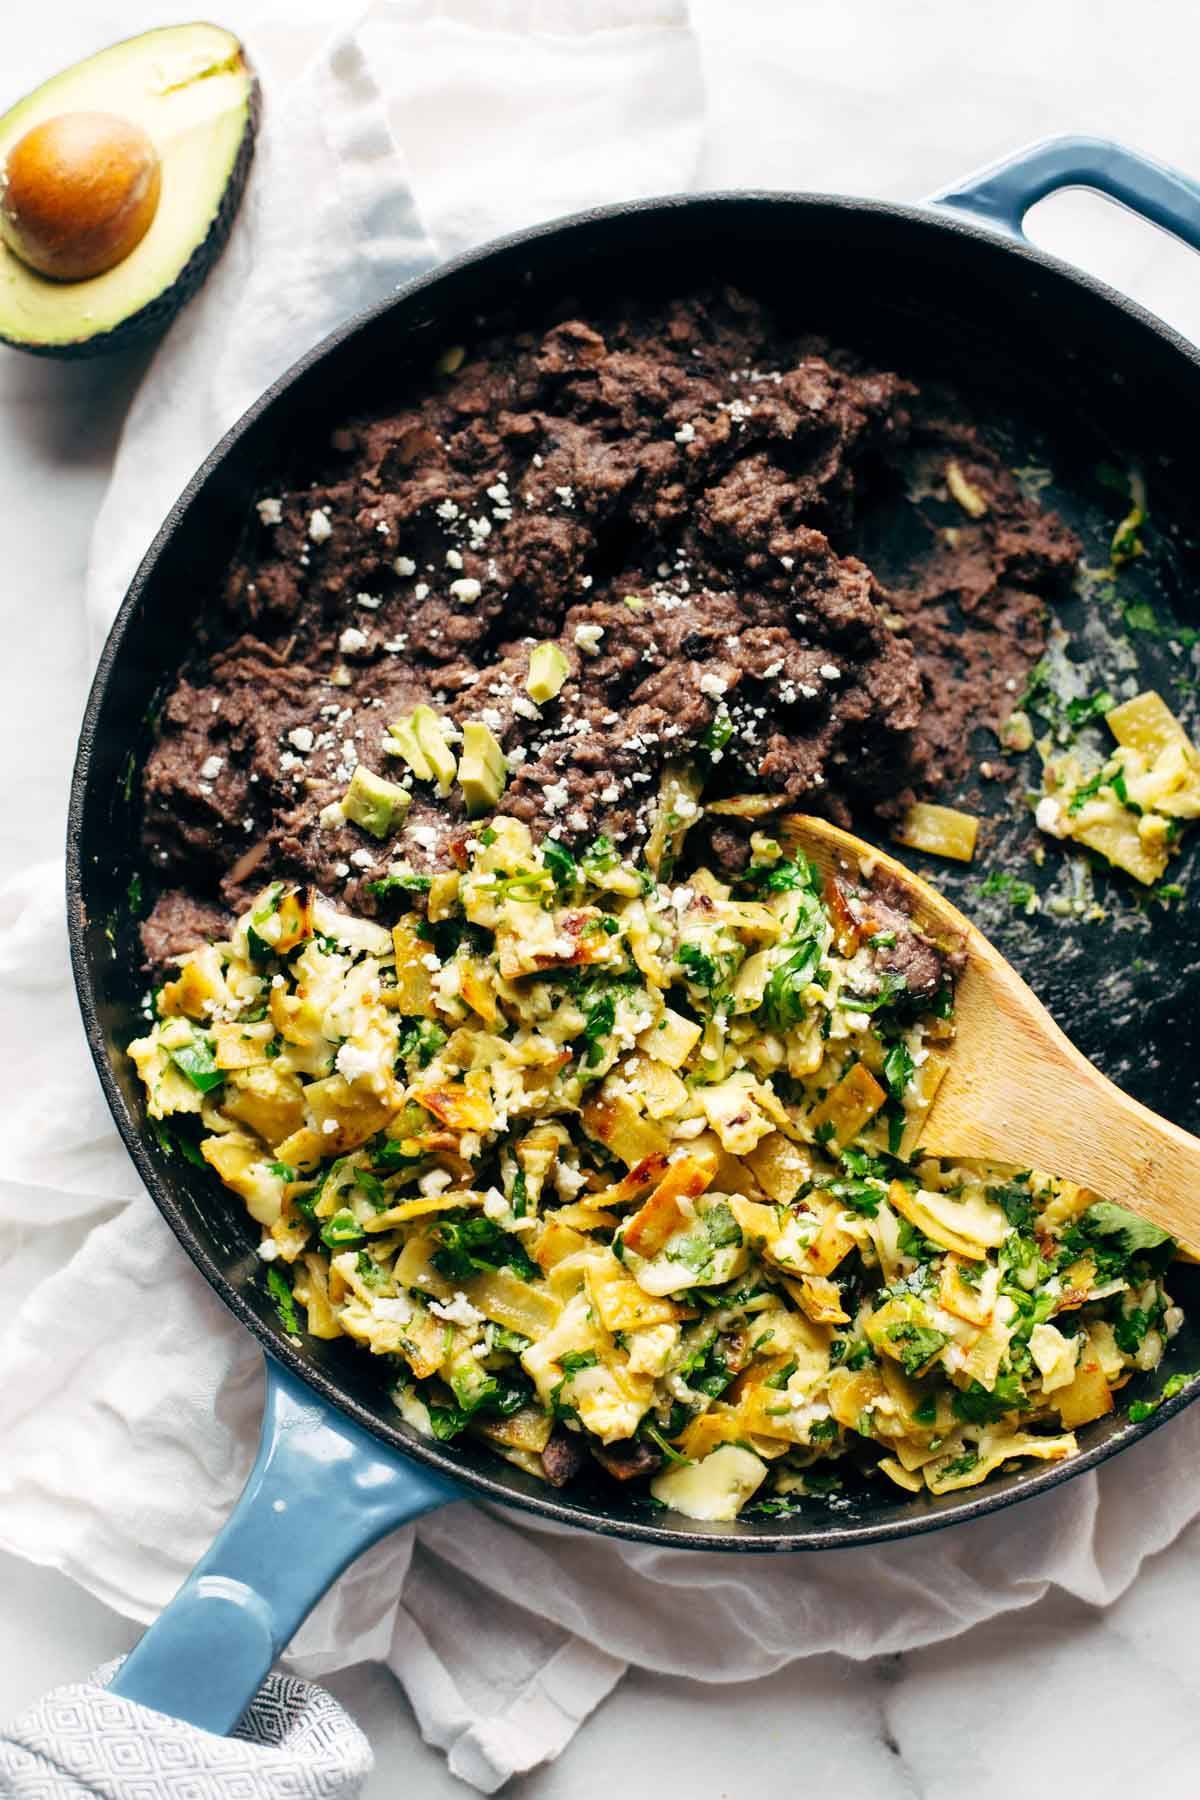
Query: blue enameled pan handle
point(321, 1491)
point(1003, 193)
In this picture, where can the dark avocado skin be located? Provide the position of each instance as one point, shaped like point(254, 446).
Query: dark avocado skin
point(151, 320)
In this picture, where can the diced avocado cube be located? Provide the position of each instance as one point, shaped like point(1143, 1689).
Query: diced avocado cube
point(482, 771)
point(421, 742)
point(548, 669)
point(403, 742)
point(437, 751)
point(377, 805)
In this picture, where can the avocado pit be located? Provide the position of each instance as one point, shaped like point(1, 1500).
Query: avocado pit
point(79, 192)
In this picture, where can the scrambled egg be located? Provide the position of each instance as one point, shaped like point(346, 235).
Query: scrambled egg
point(607, 1166)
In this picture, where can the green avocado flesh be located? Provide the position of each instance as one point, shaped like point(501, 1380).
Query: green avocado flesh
point(191, 90)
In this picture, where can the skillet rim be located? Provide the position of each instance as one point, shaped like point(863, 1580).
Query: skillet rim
point(977, 1503)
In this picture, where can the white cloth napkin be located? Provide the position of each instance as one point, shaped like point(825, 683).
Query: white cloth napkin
point(129, 1399)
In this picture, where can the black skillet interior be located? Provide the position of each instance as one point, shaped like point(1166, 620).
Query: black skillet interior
point(1069, 377)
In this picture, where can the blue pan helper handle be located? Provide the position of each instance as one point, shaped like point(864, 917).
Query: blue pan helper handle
point(1004, 192)
point(321, 1492)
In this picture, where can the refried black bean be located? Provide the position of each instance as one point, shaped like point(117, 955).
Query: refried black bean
point(669, 491)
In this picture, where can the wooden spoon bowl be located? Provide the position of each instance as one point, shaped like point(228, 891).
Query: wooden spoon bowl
point(1017, 1091)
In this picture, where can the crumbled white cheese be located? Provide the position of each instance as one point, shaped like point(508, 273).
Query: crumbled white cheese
point(555, 796)
point(211, 767)
point(831, 672)
point(352, 640)
point(396, 1309)
point(611, 794)
point(404, 565)
point(434, 1181)
point(268, 1250)
point(354, 1062)
point(466, 589)
point(587, 637)
point(712, 684)
point(567, 1180)
point(270, 511)
point(458, 1311)
point(1048, 816)
point(301, 738)
point(319, 528)
point(685, 434)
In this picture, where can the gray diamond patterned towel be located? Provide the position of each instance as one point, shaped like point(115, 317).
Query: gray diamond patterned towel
point(83, 1743)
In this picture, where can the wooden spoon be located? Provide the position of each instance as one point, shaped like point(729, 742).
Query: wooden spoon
point(1017, 1090)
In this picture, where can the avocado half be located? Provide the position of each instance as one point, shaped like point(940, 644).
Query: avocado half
point(194, 94)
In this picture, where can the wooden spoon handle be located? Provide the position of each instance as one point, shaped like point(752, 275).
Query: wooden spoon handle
point(1018, 1091)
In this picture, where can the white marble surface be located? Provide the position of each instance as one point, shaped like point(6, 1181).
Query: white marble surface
point(1023, 1704)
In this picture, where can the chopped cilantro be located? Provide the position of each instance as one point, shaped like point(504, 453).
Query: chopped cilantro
point(422, 1038)
point(285, 1305)
point(561, 864)
point(982, 1406)
point(1022, 895)
point(1120, 789)
point(196, 1061)
point(1087, 791)
point(783, 998)
point(1106, 1219)
point(1174, 1384)
point(1017, 1203)
point(783, 876)
point(469, 1243)
point(342, 1231)
point(898, 1068)
point(598, 1001)
point(1085, 708)
point(700, 968)
point(372, 1187)
point(861, 1196)
point(1130, 1329)
point(919, 1344)
point(647, 1430)
point(1139, 615)
point(406, 882)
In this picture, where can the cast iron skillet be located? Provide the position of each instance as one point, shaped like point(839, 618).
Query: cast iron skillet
point(1074, 373)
